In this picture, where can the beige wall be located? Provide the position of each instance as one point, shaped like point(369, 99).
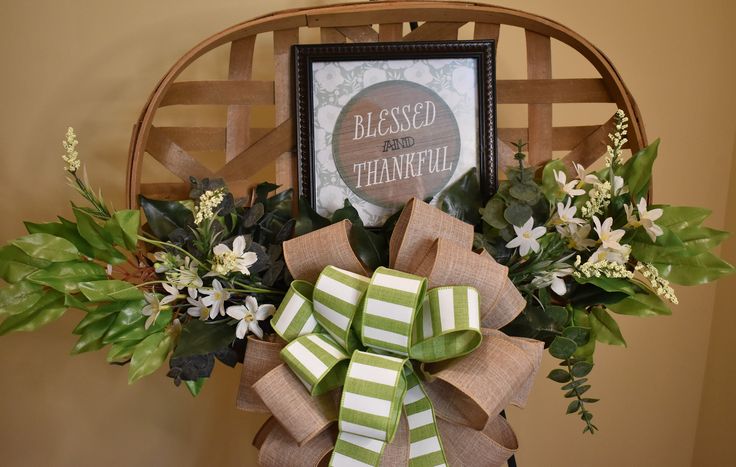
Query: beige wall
point(91, 64)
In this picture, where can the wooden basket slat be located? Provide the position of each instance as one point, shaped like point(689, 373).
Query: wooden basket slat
point(250, 149)
point(593, 146)
point(222, 92)
point(173, 157)
point(359, 33)
point(435, 31)
point(539, 67)
point(390, 32)
point(548, 91)
point(486, 31)
point(167, 191)
point(284, 88)
point(238, 116)
point(331, 36)
point(260, 154)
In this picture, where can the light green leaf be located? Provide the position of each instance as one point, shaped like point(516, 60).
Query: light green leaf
point(121, 352)
point(95, 314)
point(91, 338)
point(47, 247)
point(109, 290)
point(65, 277)
point(641, 304)
point(149, 355)
point(605, 328)
point(677, 218)
point(19, 297)
point(195, 387)
point(48, 308)
point(694, 270)
point(550, 187)
point(130, 324)
point(91, 231)
point(637, 171)
point(123, 228)
point(15, 265)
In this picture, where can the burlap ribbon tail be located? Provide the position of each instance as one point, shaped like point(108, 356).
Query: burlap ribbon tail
point(422, 336)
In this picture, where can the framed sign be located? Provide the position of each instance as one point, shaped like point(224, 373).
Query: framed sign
point(380, 123)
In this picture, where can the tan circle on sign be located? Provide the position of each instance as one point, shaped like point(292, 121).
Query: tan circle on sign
point(396, 140)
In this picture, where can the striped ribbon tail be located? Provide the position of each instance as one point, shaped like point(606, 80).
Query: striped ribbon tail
point(425, 449)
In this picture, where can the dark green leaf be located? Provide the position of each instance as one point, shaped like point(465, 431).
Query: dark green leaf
point(605, 328)
point(573, 407)
point(581, 369)
point(492, 214)
point(308, 219)
point(47, 247)
point(527, 193)
point(149, 355)
point(199, 338)
point(65, 277)
point(578, 391)
point(129, 323)
point(558, 314)
point(166, 216)
point(579, 334)
point(371, 247)
point(574, 384)
point(109, 290)
point(562, 347)
point(253, 214)
point(347, 212)
point(609, 284)
point(517, 214)
point(462, 198)
point(559, 376)
point(641, 304)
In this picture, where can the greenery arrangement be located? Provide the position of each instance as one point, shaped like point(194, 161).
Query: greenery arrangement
point(202, 273)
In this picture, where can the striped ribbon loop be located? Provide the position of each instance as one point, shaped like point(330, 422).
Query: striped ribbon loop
point(449, 324)
point(425, 448)
point(359, 333)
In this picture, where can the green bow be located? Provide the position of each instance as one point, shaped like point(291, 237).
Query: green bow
point(363, 334)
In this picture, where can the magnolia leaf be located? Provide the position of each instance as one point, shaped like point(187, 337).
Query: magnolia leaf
point(121, 352)
point(347, 212)
point(195, 387)
point(47, 247)
point(308, 219)
point(370, 247)
point(677, 218)
point(166, 216)
point(198, 338)
point(109, 290)
point(605, 328)
point(640, 304)
point(694, 270)
point(91, 231)
point(149, 355)
point(550, 187)
point(65, 277)
point(280, 203)
point(609, 284)
point(637, 171)
point(698, 240)
point(253, 214)
point(462, 198)
point(562, 347)
point(19, 297)
point(91, 338)
point(48, 308)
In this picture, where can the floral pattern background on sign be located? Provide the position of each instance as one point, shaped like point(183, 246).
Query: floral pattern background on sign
point(335, 83)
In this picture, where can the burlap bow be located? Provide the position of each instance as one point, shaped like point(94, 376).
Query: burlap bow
point(459, 400)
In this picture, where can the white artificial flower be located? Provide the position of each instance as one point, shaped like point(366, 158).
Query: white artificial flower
point(166, 261)
point(619, 255)
point(566, 213)
point(568, 187)
point(584, 175)
point(186, 277)
point(215, 299)
point(631, 219)
point(198, 308)
point(618, 185)
point(647, 218)
point(554, 280)
point(577, 236)
point(237, 259)
point(71, 156)
point(156, 305)
point(249, 315)
point(526, 237)
point(609, 238)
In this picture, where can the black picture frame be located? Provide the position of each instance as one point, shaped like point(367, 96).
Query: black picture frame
point(481, 51)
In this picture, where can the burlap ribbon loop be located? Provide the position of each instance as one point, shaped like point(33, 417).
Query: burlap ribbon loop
point(471, 371)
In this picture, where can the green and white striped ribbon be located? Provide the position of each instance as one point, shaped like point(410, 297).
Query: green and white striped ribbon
point(381, 322)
